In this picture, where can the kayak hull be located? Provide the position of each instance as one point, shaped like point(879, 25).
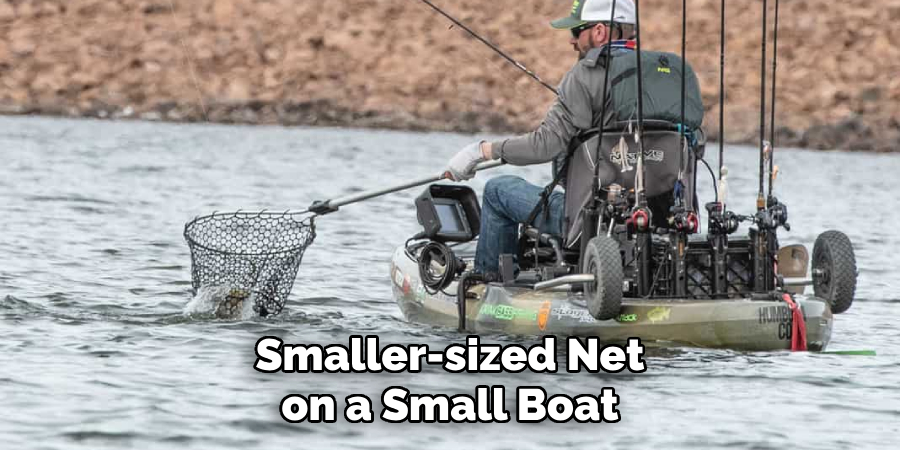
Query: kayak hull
point(740, 324)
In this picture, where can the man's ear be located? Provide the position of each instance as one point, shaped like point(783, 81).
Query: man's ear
point(601, 35)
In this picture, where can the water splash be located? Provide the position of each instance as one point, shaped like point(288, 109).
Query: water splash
point(15, 307)
point(223, 302)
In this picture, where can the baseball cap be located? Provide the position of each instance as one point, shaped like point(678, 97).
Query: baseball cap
point(584, 11)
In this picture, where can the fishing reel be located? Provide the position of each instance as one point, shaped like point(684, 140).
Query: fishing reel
point(721, 222)
point(618, 204)
point(773, 216)
point(684, 220)
point(776, 215)
point(640, 220)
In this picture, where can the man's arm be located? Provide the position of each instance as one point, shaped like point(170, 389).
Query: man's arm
point(570, 114)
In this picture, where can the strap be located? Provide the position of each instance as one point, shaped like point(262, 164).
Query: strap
point(622, 76)
point(798, 330)
point(544, 203)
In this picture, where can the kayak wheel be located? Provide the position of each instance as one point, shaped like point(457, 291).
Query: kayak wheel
point(603, 260)
point(834, 270)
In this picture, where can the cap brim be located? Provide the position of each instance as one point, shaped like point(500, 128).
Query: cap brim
point(566, 23)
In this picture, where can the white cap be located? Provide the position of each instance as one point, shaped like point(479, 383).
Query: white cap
point(597, 11)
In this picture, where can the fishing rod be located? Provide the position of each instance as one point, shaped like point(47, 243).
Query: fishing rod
point(772, 173)
point(760, 199)
point(722, 97)
point(721, 221)
point(683, 213)
point(761, 267)
point(592, 220)
point(643, 246)
point(683, 85)
point(642, 198)
point(603, 109)
point(770, 215)
point(492, 47)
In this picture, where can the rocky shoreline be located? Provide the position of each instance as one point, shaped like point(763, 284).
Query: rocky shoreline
point(850, 134)
point(395, 64)
point(315, 113)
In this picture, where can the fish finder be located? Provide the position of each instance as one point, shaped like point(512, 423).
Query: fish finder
point(449, 213)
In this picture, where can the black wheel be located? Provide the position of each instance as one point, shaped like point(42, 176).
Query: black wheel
point(603, 260)
point(834, 270)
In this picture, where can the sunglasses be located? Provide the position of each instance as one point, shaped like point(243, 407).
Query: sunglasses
point(577, 30)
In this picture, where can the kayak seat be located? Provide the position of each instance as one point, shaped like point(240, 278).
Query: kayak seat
point(664, 154)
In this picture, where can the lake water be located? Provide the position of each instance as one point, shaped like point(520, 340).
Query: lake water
point(97, 350)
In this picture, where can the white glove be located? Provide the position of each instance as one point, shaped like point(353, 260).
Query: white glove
point(462, 166)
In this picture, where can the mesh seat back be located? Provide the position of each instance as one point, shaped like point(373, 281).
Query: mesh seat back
point(662, 158)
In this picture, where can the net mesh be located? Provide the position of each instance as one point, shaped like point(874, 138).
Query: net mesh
point(252, 256)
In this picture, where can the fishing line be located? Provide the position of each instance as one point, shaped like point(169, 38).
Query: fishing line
point(713, 175)
point(492, 47)
point(190, 64)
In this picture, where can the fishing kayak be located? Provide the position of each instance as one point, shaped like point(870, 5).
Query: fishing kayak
point(740, 324)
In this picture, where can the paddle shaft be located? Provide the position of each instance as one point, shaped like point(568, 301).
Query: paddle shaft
point(330, 206)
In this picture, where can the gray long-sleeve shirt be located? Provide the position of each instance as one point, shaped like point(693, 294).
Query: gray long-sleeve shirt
point(577, 108)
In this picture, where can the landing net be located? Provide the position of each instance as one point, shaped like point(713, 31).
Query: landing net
point(251, 256)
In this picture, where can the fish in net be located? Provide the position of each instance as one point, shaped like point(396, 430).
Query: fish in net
point(248, 256)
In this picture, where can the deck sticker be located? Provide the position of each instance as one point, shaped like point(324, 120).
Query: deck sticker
point(659, 314)
point(627, 318)
point(543, 315)
point(774, 314)
point(421, 293)
point(581, 315)
point(506, 312)
point(785, 331)
point(781, 315)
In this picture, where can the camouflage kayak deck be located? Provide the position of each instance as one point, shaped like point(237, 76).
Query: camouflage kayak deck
point(740, 324)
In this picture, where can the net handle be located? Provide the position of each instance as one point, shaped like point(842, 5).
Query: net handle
point(329, 206)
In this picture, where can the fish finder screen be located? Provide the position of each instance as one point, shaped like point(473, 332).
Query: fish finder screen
point(449, 216)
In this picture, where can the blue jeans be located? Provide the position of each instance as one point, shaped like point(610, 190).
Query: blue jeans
point(507, 202)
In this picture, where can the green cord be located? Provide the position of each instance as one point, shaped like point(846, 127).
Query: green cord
point(851, 352)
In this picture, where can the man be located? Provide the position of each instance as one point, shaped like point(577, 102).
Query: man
point(508, 200)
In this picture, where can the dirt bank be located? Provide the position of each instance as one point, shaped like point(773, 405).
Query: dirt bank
point(397, 64)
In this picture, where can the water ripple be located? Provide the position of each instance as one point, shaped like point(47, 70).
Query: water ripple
point(99, 351)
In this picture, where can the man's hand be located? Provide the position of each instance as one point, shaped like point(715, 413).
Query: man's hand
point(462, 166)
